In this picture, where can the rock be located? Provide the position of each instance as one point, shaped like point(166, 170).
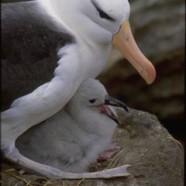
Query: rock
point(159, 29)
point(156, 158)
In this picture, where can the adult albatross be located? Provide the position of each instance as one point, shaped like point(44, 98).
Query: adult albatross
point(92, 26)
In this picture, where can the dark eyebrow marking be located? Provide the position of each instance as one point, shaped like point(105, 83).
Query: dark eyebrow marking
point(101, 12)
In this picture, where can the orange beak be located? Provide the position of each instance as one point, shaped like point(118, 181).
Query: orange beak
point(124, 41)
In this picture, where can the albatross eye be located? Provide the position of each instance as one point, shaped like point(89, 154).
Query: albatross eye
point(92, 100)
point(101, 12)
point(104, 15)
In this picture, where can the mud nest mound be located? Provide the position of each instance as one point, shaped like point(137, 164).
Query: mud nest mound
point(156, 158)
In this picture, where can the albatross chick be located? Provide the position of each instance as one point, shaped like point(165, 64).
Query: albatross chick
point(73, 138)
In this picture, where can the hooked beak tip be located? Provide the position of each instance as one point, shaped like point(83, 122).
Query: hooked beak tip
point(115, 102)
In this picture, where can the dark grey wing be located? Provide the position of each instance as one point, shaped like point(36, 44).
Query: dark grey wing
point(30, 40)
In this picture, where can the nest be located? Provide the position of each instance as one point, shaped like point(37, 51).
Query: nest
point(156, 158)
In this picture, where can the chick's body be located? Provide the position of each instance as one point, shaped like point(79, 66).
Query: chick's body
point(73, 138)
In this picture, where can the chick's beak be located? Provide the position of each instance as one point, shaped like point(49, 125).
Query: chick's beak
point(115, 102)
point(105, 109)
point(125, 43)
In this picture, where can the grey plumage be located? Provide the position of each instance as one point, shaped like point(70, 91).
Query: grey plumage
point(30, 41)
point(73, 138)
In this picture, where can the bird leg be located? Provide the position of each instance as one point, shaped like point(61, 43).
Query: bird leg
point(109, 152)
point(51, 172)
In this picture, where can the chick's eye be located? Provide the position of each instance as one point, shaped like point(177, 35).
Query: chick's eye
point(92, 100)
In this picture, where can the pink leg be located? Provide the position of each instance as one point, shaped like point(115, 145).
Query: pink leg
point(112, 149)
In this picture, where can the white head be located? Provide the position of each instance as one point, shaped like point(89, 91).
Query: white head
point(94, 19)
point(98, 23)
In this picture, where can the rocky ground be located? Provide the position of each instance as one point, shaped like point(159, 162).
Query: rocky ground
point(156, 158)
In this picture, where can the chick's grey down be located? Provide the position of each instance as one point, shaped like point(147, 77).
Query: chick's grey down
point(73, 138)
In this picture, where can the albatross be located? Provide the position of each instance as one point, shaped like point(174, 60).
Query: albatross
point(92, 26)
point(73, 138)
